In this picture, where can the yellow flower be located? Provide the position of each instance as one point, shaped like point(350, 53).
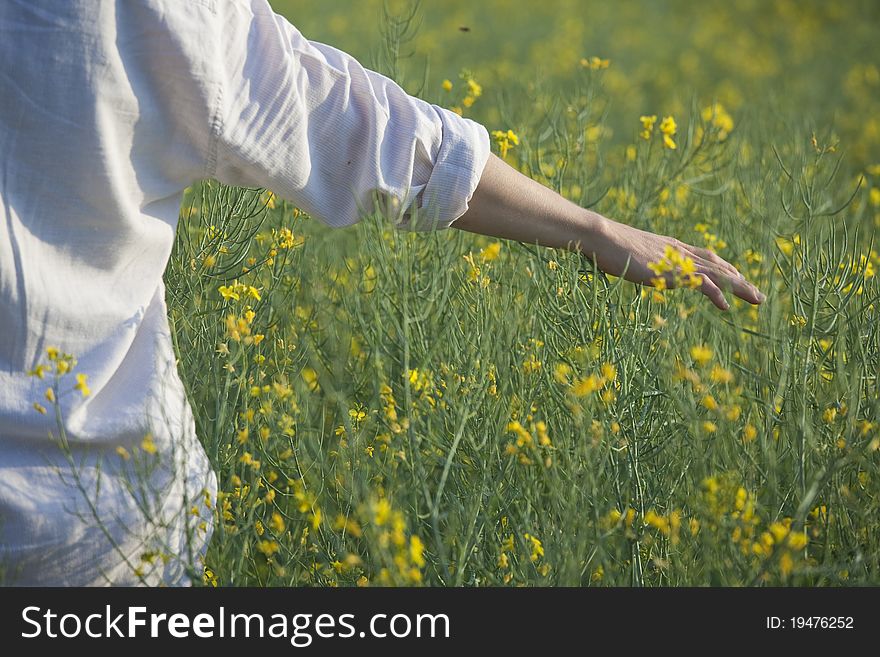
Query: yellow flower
point(657, 522)
point(277, 523)
point(347, 525)
point(537, 547)
point(310, 377)
point(416, 551)
point(701, 354)
point(531, 364)
point(609, 372)
point(561, 372)
point(668, 128)
point(39, 371)
point(228, 293)
point(82, 385)
point(447, 85)
point(541, 429)
point(778, 530)
point(382, 512)
point(148, 445)
point(268, 548)
point(720, 375)
point(505, 140)
point(524, 438)
point(647, 126)
point(248, 459)
point(786, 563)
point(491, 252)
point(586, 386)
point(797, 540)
point(719, 118)
point(594, 63)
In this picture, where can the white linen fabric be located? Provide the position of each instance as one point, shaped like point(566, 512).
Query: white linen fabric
point(108, 111)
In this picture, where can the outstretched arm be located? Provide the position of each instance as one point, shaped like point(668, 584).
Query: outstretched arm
point(510, 205)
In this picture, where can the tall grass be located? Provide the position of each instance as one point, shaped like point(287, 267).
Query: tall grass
point(444, 409)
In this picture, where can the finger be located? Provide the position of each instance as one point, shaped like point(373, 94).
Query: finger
point(739, 286)
point(716, 260)
point(752, 293)
point(708, 259)
point(711, 290)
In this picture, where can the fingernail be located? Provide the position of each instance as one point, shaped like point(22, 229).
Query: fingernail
point(762, 297)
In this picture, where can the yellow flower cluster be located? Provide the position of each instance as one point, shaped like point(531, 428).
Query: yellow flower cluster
point(60, 365)
point(477, 272)
point(237, 290)
point(675, 270)
point(238, 329)
point(647, 122)
point(731, 508)
point(471, 90)
point(717, 117)
point(505, 141)
point(535, 552)
point(590, 384)
point(528, 441)
point(407, 555)
point(713, 242)
point(668, 128)
point(594, 63)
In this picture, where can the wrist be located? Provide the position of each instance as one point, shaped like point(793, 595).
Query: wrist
point(592, 233)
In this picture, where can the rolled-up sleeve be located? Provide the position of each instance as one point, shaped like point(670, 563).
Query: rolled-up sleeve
point(309, 122)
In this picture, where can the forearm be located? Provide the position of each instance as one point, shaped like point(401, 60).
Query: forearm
point(510, 205)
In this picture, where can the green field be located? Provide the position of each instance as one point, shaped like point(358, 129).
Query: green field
point(446, 409)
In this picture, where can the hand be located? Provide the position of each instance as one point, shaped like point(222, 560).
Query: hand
point(622, 250)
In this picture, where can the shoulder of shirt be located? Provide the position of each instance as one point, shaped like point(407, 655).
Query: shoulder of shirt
point(255, 7)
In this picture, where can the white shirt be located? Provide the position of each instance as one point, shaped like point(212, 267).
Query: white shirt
point(108, 111)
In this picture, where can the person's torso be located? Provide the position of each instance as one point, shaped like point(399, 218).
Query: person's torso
point(103, 122)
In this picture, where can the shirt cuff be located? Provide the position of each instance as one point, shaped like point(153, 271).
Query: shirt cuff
point(464, 151)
